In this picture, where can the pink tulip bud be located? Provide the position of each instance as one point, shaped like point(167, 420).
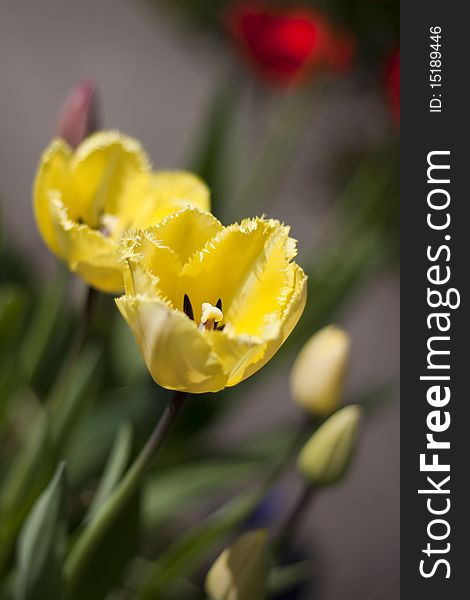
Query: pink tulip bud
point(78, 116)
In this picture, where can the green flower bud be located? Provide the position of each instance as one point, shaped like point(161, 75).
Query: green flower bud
point(317, 376)
point(241, 571)
point(326, 456)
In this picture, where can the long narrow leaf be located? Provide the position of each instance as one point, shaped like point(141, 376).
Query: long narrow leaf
point(27, 477)
point(168, 493)
point(114, 469)
point(41, 545)
point(73, 394)
point(42, 326)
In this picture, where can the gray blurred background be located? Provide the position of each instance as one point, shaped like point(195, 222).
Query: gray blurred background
point(155, 82)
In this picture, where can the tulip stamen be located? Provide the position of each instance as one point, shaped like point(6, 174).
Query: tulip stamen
point(187, 307)
point(211, 315)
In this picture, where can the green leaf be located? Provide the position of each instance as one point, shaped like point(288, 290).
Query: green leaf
point(41, 544)
point(42, 326)
point(13, 309)
point(13, 268)
point(9, 383)
point(13, 302)
point(33, 467)
point(27, 477)
point(168, 492)
point(73, 394)
point(114, 469)
point(283, 578)
point(127, 360)
point(188, 551)
point(87, 448)
point(105, 568)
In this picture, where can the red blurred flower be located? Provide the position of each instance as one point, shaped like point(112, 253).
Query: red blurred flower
point(392, 83)
point(78, 114)
point(286, 45)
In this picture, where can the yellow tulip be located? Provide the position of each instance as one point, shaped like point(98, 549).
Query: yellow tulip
point(84, 200)
point(210, 305)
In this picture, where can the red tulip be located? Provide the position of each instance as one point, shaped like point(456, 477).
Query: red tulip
point(78, 115)
point(392, 83)
point(287, 45)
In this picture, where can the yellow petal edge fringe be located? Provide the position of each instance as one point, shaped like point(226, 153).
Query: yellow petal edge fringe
point(209, 305)
point(84, 200)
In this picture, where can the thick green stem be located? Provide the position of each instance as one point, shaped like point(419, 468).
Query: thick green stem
point(83, 549)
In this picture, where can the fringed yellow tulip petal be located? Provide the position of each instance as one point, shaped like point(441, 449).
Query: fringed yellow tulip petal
point(94, 257)
point(162, 250)
point(248, 266)
point(243, 276)
point(150, 197)
point(265, 292)
point(287, 320)
point(101, 167)
point(139, 281)
point(177, 354)
point(236, 353)
point(186, 232)
point(52, 176)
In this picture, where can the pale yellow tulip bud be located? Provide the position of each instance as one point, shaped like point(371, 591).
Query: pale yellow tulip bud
point(328, 453)
point(317, 376)
point(241, 571)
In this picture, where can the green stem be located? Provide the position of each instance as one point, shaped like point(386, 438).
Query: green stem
point(306, 426)
point(76, 344)
point(289, 527)
point(110, 510)
point(81, 334)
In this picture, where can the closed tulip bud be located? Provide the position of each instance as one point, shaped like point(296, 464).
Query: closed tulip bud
point(318, 373)
point(241, 571)
point(327, 455)
point(78, 117)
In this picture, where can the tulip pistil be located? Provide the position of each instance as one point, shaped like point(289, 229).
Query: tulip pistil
point(211, 315)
